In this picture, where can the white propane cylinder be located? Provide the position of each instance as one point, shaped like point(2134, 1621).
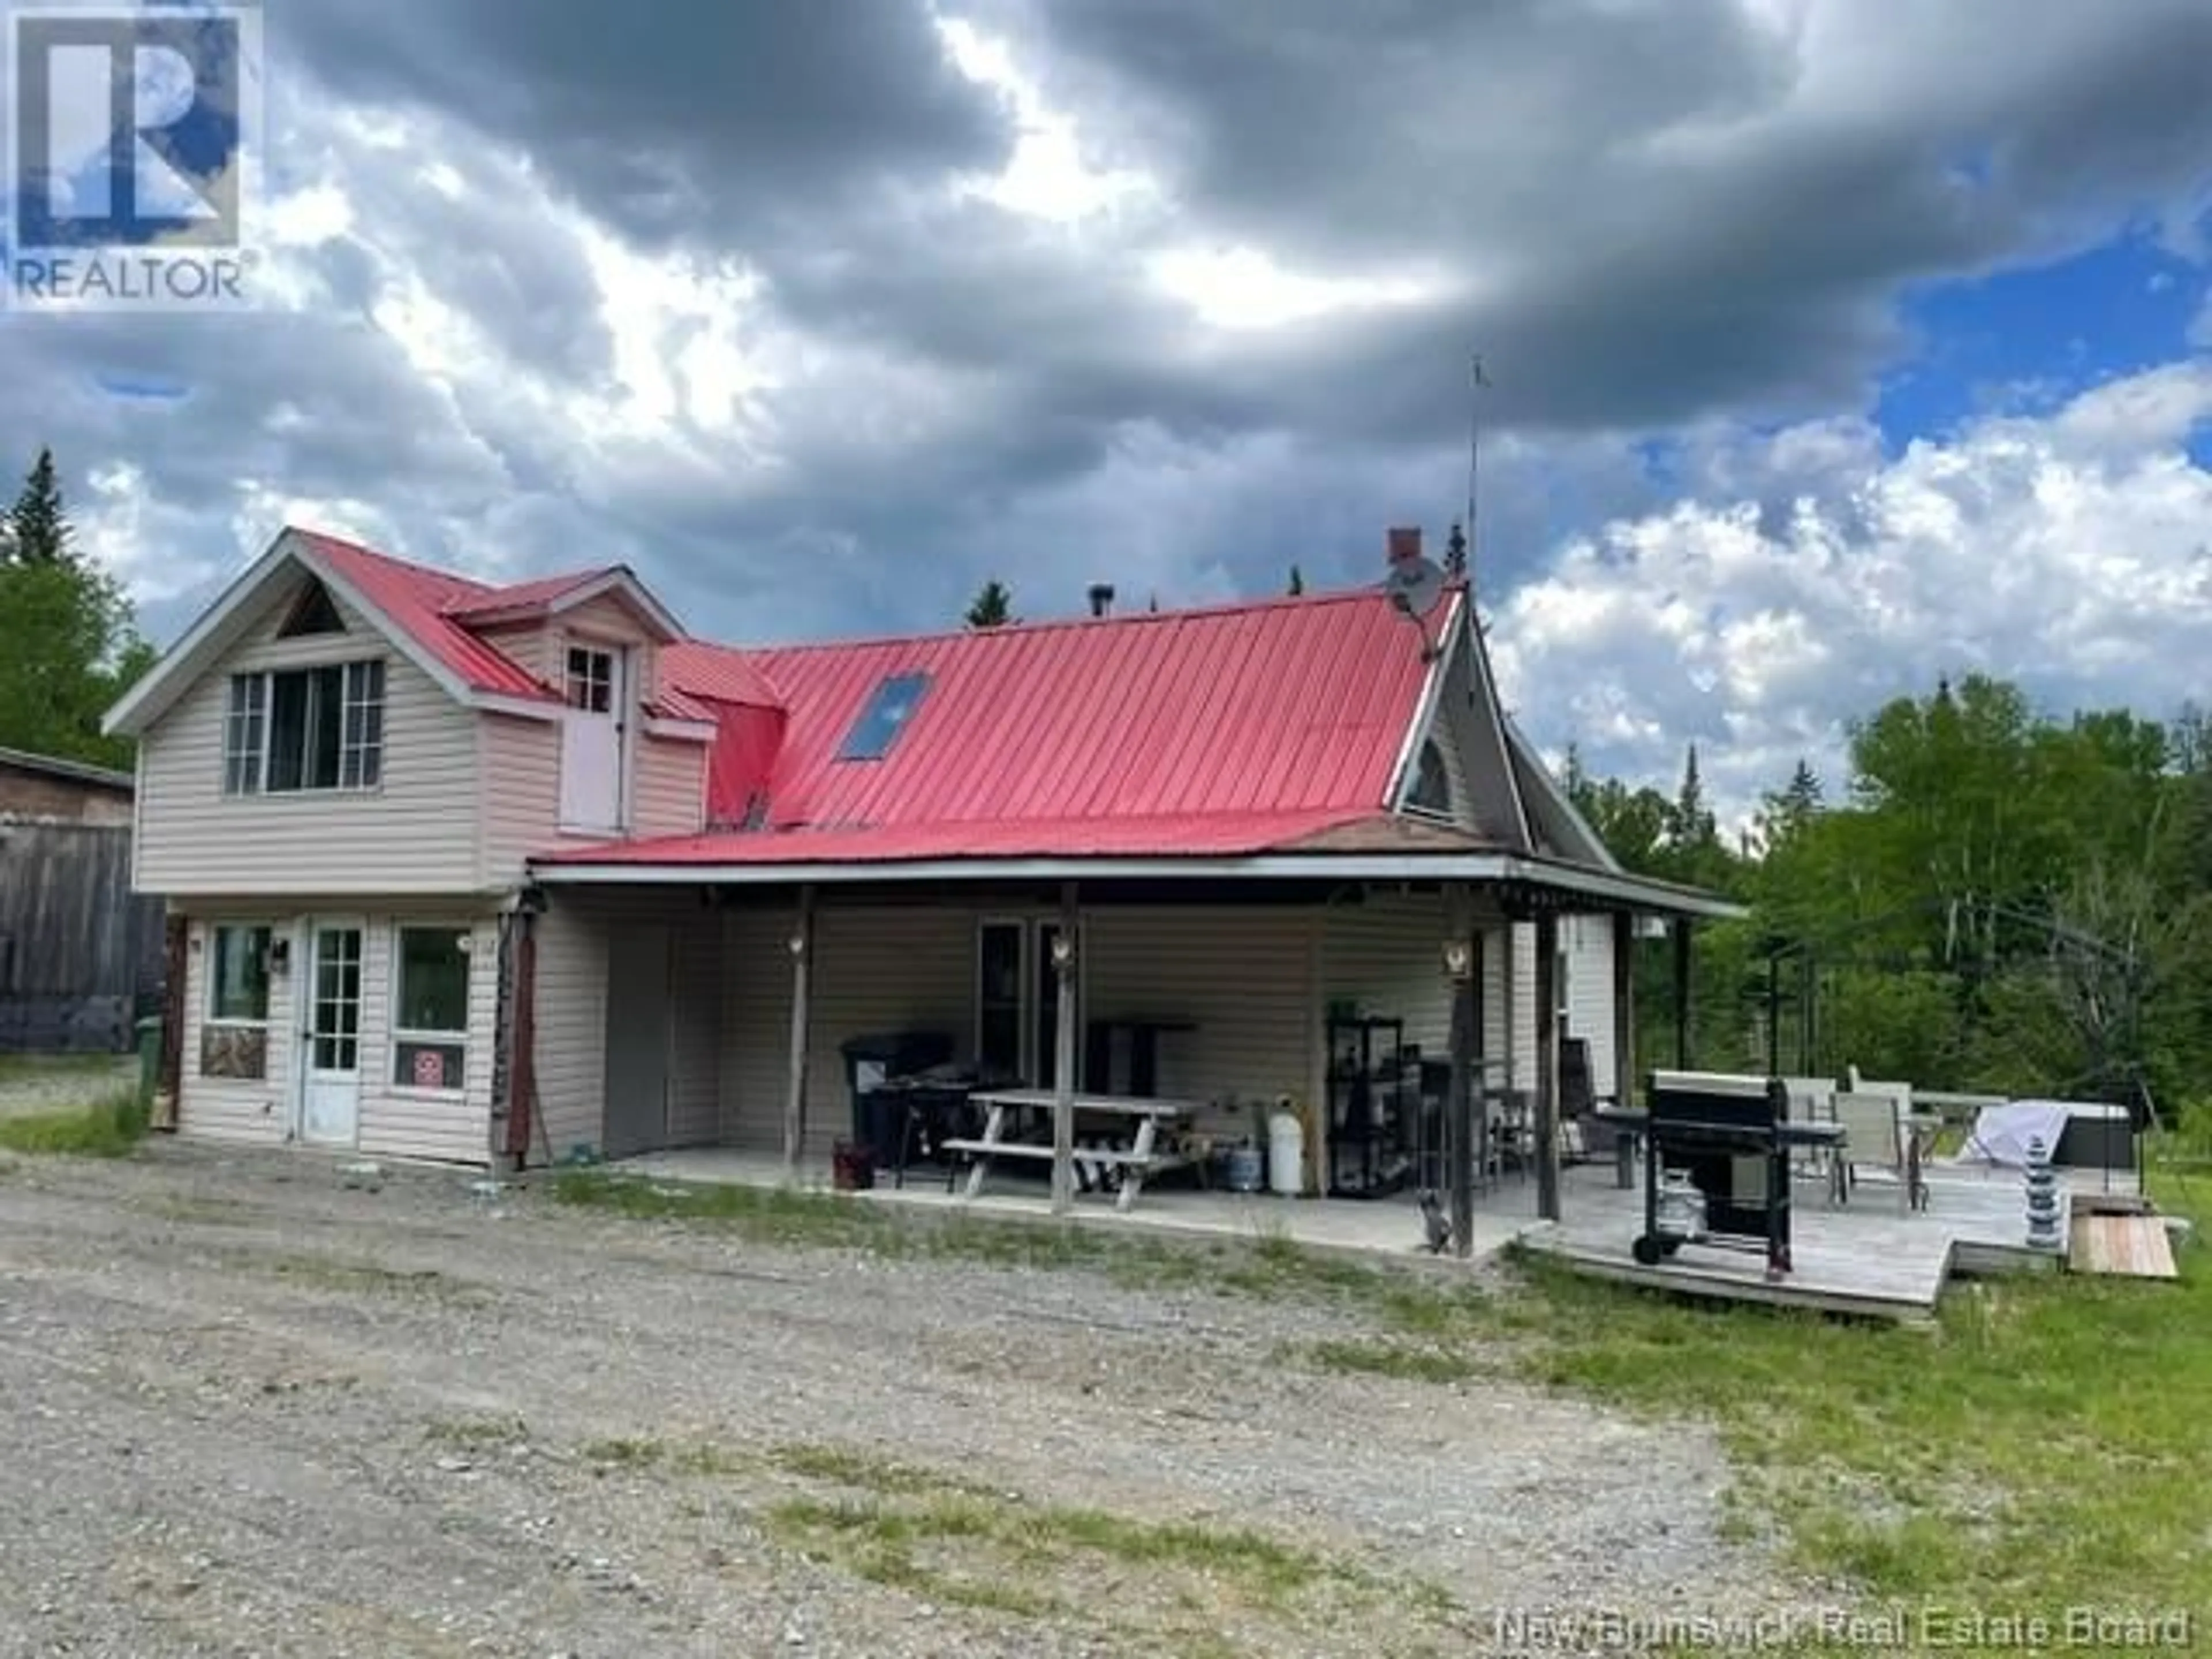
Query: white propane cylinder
point(1287, 1155)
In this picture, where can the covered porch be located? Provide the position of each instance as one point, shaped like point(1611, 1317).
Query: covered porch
point(1403, 1008)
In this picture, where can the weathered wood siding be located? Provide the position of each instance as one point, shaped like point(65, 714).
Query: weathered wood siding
point(78, 952)
point(414, 833)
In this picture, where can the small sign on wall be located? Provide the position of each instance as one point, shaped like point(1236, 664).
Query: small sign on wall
point(429, 1069)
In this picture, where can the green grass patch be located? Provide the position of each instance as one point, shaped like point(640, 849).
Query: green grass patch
point(1268, 1267)
point(478, 1432)
point(325, 1273)
point(1402, 1360)
point(1179, 1582)
point(2041, 1450)
point(676, 1457)
point(31, 1068)
point(111, 1128)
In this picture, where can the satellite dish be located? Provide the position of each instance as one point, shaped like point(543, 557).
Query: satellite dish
point(1415, 586)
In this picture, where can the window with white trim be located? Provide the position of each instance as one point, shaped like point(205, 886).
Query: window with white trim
point(591, 679)
point(430, 1009)
point(296, 731)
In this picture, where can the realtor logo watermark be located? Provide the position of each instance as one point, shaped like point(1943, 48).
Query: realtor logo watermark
point(134, 137)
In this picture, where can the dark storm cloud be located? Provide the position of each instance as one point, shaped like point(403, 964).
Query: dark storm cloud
point(691, 120)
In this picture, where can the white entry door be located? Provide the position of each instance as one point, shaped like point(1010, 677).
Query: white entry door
point(591, 740)
point(330, 1088)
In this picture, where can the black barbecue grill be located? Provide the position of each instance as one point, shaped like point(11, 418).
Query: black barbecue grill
point(1735, 1151)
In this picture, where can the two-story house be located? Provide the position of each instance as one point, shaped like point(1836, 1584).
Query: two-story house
point(472, 873)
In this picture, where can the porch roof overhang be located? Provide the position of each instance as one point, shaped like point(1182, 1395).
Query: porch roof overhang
point(1535, 883)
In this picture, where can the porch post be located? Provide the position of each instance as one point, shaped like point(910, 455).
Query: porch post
point(1063, 1057)
point(1548, 1066)
point(795, 1099)
point(1682, 993)
point(1463, 963)
point(1624, 1010)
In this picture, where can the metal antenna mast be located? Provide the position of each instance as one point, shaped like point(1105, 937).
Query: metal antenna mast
point(1479, 382)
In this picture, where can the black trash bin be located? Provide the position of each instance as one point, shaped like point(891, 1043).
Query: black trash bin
point(877, 1058)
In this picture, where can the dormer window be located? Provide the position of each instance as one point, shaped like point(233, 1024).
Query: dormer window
point(889, 709)
point(591, 680)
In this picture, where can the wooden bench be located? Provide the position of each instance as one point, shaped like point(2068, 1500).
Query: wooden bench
point(1140, 1158)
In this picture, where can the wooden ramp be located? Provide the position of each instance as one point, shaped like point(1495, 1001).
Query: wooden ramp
point(2127, 1246)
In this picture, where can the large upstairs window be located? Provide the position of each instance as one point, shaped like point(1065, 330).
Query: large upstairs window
point(296, 730)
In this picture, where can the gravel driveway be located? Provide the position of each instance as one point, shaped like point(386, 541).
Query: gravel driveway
point(250, 1411)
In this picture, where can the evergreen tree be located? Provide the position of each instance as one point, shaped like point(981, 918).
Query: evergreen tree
point(1693, 824)
point(38, 526)
point(1298, 581)
point(992, 607)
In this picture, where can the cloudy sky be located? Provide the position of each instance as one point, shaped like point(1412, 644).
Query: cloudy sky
point(1833, 344)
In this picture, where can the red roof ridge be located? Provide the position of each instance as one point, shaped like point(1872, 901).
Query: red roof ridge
point(433, 573)
point(1056, 624)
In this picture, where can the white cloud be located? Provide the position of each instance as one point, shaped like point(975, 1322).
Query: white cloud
point(2072, 552)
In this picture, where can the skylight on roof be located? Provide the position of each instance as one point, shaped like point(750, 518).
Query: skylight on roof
point(889, 709)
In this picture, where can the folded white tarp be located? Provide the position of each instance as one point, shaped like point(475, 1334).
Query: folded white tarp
point(2002, 1133)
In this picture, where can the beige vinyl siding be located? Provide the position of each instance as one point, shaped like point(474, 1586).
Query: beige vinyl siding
point(392, 1121)
point(414, 833)
point(572, 1013)
point(1386, 957)
point(1242, 976)
point(874, 969)
point(1589, 944)
point(694, 1113)
point(229, 1109)
point(520, 793)
point(530, 644)
point(398, 1121)
point(668, 789)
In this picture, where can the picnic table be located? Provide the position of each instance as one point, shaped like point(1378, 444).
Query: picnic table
point(1006, 1111)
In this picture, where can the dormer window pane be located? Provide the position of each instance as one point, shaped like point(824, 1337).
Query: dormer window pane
point(591, 680)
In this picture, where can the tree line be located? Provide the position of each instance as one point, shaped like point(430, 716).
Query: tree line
point(71, 641)
point(1997, 899)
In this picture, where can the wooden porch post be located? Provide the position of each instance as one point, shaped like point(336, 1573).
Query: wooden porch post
point(1463, 963)
point(1063, 1057)
point(1682, 993)
point(1548, 1066)
point(1624, 1010)
point(795, 1099)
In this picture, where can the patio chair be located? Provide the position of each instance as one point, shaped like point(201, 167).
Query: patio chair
point(1874, 1137)
point(1811, 1100)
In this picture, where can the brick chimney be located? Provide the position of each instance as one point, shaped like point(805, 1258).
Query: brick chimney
point(1102, 599)
point(1404, 543)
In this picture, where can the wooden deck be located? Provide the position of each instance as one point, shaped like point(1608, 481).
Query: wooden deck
point(1868, 1260)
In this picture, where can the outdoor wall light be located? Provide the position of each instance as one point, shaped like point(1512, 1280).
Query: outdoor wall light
point(1459, 959)
point(1063, 952)
point(280, 955)
point(797, 944)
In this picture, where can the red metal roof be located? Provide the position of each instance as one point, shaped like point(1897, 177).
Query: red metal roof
point(422, 603)
point(519, 596)
point(1275, 719)
point(1222, 731)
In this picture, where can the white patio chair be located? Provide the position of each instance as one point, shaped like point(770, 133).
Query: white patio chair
point(1811, 1100)
point(1874, 1137)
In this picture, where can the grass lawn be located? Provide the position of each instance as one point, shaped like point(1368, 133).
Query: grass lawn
point(2044, 1448)
point(23, 1068)
point(110, 1129)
